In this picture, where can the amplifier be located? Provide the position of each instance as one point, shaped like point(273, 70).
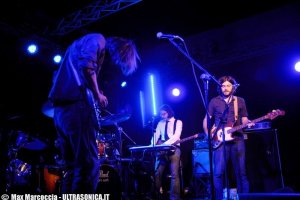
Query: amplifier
point(200, 161)
point(200, 143)
point(259, 126)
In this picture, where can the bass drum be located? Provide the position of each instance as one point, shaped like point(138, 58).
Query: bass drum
point(109, 182)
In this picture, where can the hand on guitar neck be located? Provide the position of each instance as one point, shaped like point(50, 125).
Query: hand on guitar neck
point(102, 99)
point(95, 105)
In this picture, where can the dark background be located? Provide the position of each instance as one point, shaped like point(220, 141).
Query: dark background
point(257, 43)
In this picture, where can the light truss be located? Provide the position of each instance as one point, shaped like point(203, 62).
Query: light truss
point(91, 13)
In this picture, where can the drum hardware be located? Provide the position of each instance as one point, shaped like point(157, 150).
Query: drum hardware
point(18, 172)
point(21, 140)
point(107, 150)
point(21, 177)
point(138, 178)
point(23, 148)
point(26, 162)
point(112, 119)
point(110, 153)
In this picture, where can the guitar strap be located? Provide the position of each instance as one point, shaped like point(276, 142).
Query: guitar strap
point(76, 76)
point(174, 126)
point(88, 95)
point(235, 104)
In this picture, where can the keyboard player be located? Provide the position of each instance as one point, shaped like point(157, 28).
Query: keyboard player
point(167, 132)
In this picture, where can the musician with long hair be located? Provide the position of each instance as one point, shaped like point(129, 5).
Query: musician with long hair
point(168, 131)
point(74, 94)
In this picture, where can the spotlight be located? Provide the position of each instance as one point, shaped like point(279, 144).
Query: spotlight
point(32, 49)
point(176, 92)
point(57, 58)
point(297, 66)
point(123, 84)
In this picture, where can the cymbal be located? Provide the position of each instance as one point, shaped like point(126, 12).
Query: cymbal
point(28, 142)
point(48, 109)
point(17, 122)
point(114, 118)
point(34, 144)
point(14, 117)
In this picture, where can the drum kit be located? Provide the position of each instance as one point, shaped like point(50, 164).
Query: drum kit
point(26, 157)
point(28, 170)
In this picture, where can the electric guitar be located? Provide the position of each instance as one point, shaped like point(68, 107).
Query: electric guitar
point(159, 142)
point(217, 138)
point(95, 105)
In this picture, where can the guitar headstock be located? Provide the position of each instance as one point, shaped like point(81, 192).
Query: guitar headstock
point(275, 113)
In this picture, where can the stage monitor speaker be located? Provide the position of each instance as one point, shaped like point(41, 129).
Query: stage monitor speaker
point(267, 196)
point(263, 161)
point(200, 162)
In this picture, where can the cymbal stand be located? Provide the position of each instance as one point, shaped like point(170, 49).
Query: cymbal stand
point(121, 131)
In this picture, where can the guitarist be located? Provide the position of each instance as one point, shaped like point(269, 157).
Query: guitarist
point(221, 109)
point(74, 117)
point(168, 131)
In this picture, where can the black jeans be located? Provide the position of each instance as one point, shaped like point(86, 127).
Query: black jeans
point(235, 151)
point(75, 124)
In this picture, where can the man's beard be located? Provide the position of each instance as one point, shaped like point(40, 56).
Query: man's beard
point(228, 94)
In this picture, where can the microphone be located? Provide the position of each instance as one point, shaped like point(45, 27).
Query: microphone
point(205, 76)
point(160, 35)
point(236, 85)
point(155, 117)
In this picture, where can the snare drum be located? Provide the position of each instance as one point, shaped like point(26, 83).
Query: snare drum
point(109, 182)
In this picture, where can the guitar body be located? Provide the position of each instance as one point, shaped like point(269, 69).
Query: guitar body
point(217, 139)
point(227, 134)
point(218, 136)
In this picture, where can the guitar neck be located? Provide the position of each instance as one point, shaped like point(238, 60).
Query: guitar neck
point(94, 105)
point(236, 128)
point(185, 139)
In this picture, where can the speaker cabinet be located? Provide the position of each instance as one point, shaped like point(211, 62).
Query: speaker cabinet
point(268, 196)
point(201, 173)
point(263, 161)
point(200, 162)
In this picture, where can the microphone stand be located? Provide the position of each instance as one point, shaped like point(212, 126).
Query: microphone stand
point(222, 122)
point(120, 167)
point(155, 191)
point(206, 79)
point(185, 53)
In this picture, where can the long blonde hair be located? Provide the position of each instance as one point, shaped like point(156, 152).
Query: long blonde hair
point(123, 53)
